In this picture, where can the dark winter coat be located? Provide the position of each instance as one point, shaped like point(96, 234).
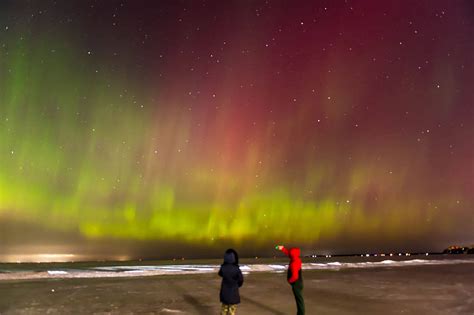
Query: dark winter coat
point(232, 278)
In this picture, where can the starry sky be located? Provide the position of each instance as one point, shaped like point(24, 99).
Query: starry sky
point(155, 127)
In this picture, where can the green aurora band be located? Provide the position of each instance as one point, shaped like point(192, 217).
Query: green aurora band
point(87, 148)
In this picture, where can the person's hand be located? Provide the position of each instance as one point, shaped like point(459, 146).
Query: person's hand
point(279, 247)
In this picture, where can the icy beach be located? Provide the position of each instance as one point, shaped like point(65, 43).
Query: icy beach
point(412, 286)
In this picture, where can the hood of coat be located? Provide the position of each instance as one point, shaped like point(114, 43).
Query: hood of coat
point(231, 257)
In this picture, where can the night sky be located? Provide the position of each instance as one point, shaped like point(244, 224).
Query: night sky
point(158, 128)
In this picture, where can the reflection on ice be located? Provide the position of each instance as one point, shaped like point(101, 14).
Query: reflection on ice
point(156, 270)
point(57, 272)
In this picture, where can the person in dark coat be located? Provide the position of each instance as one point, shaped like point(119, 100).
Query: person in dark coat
point(232, 280)
point(295, 278)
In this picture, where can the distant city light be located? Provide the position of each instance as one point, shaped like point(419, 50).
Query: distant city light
point(39, 258)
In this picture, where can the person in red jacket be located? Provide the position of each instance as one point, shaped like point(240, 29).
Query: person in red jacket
point(294, 276)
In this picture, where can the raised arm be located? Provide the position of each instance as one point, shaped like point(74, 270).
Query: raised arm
point(284, 250)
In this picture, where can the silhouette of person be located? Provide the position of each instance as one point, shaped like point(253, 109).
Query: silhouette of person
point(232, 280)
point(295, 278)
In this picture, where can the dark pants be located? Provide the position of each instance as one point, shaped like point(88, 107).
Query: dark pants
point(297, 288)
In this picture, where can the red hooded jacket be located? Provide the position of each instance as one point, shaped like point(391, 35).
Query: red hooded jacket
point(295, 263)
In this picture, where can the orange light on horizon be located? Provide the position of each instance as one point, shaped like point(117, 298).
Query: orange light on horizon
point(39, 258)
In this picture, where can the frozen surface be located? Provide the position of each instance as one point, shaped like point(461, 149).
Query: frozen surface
point(130, 270)
point(386, 288)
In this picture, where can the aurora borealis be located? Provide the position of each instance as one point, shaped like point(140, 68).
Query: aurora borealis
point(339, 125)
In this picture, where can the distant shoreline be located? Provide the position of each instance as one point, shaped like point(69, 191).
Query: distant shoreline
point(69, 258)
point(163, 268)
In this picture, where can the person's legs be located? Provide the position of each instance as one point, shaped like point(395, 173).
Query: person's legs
point(298, 293)
point(228, 309)
point(233, 309)
point(224, 309)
